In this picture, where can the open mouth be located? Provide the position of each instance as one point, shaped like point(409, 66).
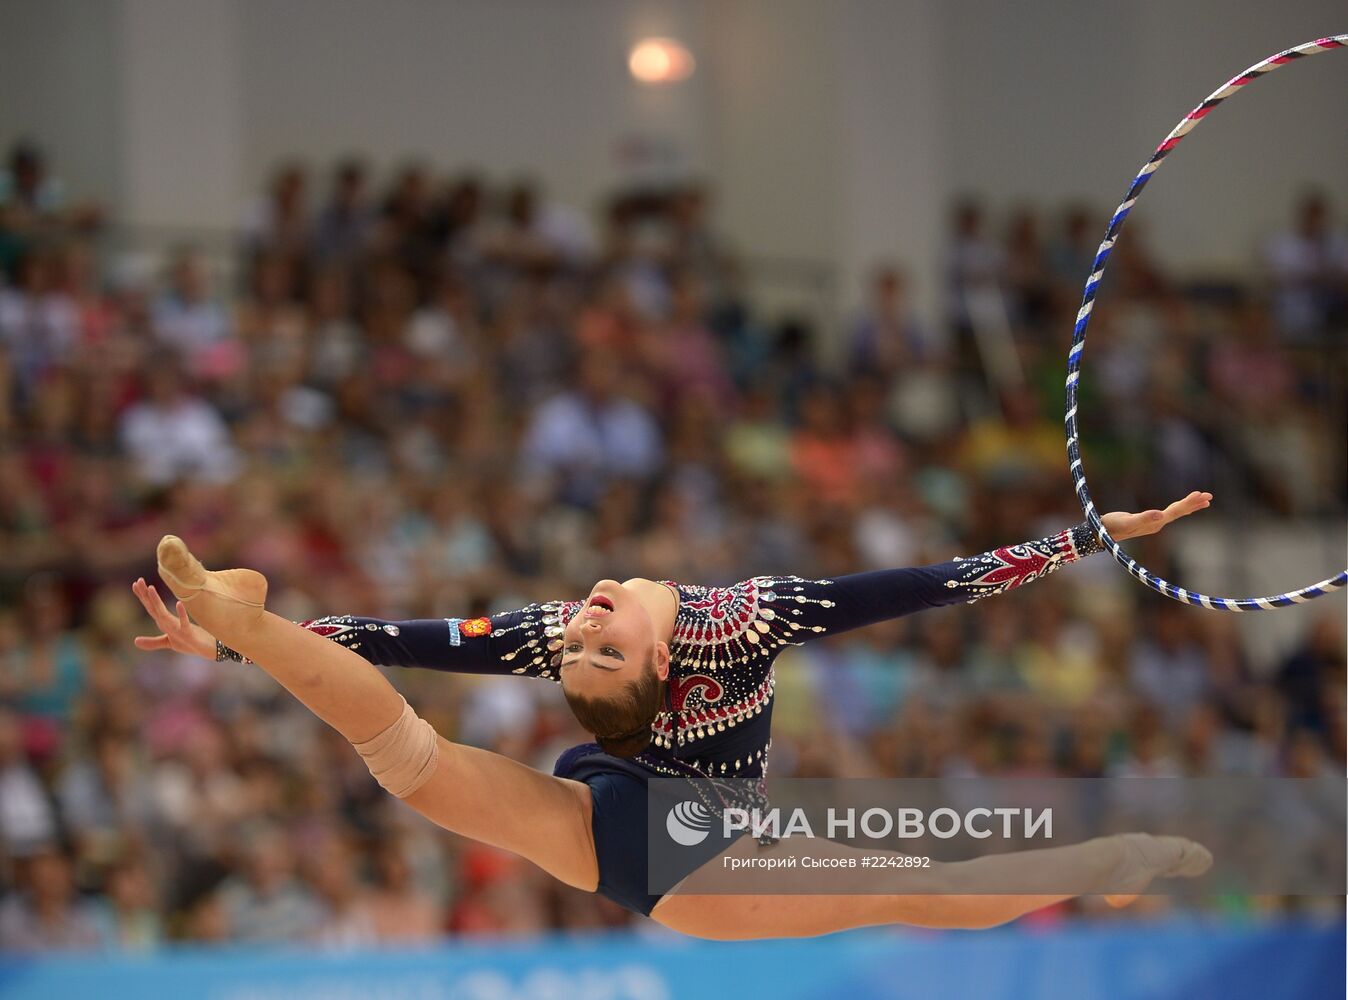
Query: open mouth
point(599, 604)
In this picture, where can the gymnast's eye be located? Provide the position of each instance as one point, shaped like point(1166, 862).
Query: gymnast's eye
point(572, 647)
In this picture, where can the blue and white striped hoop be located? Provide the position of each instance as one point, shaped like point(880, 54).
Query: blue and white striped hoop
point(1186, 125)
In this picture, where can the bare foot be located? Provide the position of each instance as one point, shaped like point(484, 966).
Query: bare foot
point(1147, 857)
point(226, 603)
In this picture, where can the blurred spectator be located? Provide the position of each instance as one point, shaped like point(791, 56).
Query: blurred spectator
point(1309, 268)
point(1018, 446)
point(279, 223)
point(693, 241)
point(47, 915)
point(1070, 254)
point(39, 322)
point(498, 898)
point(27, 820)
point(407, 229)
point(172, 433)
point(1308, 676)
point(463, 219)
point(756, 442)
point(400, 912)
point(185, 317)
point(1058, 663)
point(106, 797)
point(337, 345)
point(346, 921)
point(198, 796)
point(886, 339)
point(345, 223)
point(27, 186)
point(445, 332)
point(266, 902)
point(1168, 666)
point(32, 205)
point(823, 449)
point(590, 435)
point(49, 665)
point(975, 276)
point(1028, 280)
point(536, 233)
point(130, 918)
point(682, 355)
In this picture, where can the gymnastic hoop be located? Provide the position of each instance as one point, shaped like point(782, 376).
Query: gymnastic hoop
point(1187, 124)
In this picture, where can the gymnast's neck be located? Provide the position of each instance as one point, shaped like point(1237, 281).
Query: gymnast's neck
point(660, 601)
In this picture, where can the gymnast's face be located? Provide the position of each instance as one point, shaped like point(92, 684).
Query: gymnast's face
point(609, 643)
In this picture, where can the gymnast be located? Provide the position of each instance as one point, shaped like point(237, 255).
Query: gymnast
point(674, 681)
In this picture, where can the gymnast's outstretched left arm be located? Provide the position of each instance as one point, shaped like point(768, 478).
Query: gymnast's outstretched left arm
point(511, 643)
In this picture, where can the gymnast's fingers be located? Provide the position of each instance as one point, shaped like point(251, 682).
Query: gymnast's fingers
point(161, 615)
point(148, 600)
point(152, 642)
point(1123, 525)
point(1195, 501)
point(1149, 522)
point(184, 622)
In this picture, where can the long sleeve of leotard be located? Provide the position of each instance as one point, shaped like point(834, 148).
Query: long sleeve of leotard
point(812, 607)
point(526, 642)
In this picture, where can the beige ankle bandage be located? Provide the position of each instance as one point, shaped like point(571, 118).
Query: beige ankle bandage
point(402, 758)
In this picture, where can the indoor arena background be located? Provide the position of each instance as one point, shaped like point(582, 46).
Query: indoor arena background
point(345, 291)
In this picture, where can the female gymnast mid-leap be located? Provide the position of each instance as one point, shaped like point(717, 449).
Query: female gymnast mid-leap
point(674, 681)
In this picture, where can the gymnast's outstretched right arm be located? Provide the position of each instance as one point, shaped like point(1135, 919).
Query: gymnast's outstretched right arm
point(472, 792)
point(812, 607)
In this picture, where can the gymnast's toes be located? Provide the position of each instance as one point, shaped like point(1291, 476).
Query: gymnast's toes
point(1148, 857)
point(181, 570)
point(1169, 857)
point(1194, 860)
point(188, 579)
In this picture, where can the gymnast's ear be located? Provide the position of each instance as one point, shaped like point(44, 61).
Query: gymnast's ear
point(661, 660)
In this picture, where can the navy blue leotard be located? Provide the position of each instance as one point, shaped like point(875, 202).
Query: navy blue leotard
point(717, 716)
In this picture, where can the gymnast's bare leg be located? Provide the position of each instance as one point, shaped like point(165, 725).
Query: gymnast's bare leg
point(472, 792)
point(971, 895)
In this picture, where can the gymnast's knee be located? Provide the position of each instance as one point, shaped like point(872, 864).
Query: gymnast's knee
point(403, 757)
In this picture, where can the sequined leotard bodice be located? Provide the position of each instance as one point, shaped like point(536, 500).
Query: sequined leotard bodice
point(718, 707)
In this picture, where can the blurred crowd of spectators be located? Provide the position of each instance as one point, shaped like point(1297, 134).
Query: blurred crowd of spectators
point(445, 398)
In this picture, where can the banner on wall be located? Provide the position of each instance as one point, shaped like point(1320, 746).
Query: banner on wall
point(1156, 962)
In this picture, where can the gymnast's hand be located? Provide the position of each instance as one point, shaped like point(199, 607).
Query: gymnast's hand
point(1122, 525)
point(181, 634)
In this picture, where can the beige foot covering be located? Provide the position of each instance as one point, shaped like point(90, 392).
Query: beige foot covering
point(1148, 857)
point(188, 579)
